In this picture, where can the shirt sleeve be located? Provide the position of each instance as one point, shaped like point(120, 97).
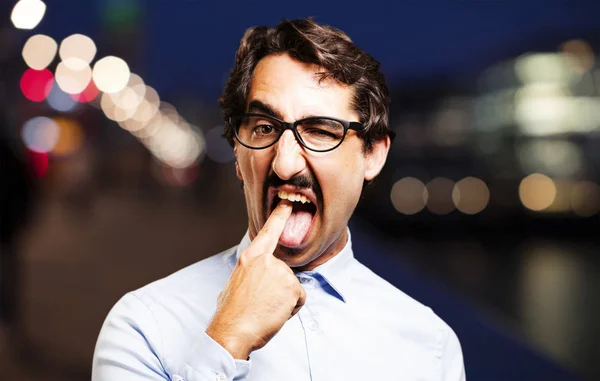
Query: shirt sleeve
point(129, 347)
point(453, 368)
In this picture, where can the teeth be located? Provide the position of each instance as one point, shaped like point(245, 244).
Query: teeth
point(294, 197)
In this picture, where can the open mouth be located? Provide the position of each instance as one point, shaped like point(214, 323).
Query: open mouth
point(299, 224)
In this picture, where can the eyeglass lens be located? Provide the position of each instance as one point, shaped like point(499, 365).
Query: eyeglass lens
point(315, 133)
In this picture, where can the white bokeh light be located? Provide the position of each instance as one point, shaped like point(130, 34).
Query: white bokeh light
point(39, 51)
point(73, 75)
point(77, 46)
point(27, 14)
point(111, 74)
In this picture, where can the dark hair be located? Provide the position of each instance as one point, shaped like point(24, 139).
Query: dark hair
point(306, 41)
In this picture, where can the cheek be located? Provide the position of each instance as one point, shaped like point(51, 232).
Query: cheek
point(342, 184)
point(253, 169)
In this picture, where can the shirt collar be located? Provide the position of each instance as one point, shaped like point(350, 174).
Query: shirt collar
point(333, 275)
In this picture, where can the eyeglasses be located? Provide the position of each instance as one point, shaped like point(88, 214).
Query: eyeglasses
point(317, 133)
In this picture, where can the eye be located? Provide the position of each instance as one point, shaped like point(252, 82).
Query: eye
point(319, 132)
point(264, 129)
point(321, 129)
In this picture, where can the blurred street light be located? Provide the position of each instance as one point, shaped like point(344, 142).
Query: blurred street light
point(27, 14)
point(40, 134)
point(73, 75)
point(77, 46)
point(471, 195)
point(537, 192)
point(111, 74)
point(39, 51)
point(36, 84)
point(409, 195)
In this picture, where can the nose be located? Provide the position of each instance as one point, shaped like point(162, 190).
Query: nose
point(289, 159)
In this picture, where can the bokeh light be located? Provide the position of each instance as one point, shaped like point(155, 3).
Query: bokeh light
point(176, 145)
point(144, 130)
point(111, 74)
point(40, 134)
point(132, 125)
point(149, 106)
point(555, 157)
point(36, 84)
point(27, 14)
point(144, 113)
point(112, 110)
point(39, 51)
point(409, 195)
point(542, 109)
point(169, 111)
point(88, 94)
point(70, 136)
point(561, 202)
point(471, 195)
point(581, 53)
point(585, 198)
point(73, 75)
point(123, 104)
point(537, 192)
point(59, 100)
point(440, 196)
point(217, 147)
point(78, 46)
point(539, 68)
point(39, 162)
point(108, 107)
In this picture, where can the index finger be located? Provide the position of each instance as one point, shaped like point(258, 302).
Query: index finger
point(267, 238)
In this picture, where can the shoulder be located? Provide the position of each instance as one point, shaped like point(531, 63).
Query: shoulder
point(364, 278)
point(170, 313)
point(182, 299)
point(202, 277)
point(406, 314)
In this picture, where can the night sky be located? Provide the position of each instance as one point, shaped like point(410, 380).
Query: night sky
point(189, 45)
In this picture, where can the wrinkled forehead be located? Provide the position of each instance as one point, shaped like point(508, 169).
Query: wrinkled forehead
point(294, 90)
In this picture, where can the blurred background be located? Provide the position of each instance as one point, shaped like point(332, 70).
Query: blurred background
point(113, 172)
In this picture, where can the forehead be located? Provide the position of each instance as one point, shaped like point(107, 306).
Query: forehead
point(294, 90)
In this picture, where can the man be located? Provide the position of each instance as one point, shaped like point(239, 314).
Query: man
point(307, 114)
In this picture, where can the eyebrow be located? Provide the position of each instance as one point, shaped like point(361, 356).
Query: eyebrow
point(259, 106)
point(262, 107)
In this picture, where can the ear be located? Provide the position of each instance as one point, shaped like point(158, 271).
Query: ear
point(376, 158)
point(237, 165)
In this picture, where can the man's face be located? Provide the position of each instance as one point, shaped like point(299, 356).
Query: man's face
point(316, 231)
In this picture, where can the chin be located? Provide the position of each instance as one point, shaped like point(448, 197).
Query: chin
point(294, 256)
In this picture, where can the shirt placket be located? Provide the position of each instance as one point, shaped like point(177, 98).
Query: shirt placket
point(313, 330)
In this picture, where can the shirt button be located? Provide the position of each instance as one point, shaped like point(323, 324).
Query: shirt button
point(304, 280)
point(221, 377)
point(313, 325)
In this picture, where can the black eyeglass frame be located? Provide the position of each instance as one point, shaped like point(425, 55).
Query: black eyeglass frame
point(234, 120)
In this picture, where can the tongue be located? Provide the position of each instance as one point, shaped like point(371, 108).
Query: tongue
point(296, 228)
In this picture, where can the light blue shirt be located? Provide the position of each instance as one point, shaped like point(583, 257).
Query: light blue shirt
point(354, 326)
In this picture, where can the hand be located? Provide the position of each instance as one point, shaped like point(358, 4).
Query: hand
point(261, 294)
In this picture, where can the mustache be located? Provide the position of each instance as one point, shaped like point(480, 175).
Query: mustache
point(300, 181)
